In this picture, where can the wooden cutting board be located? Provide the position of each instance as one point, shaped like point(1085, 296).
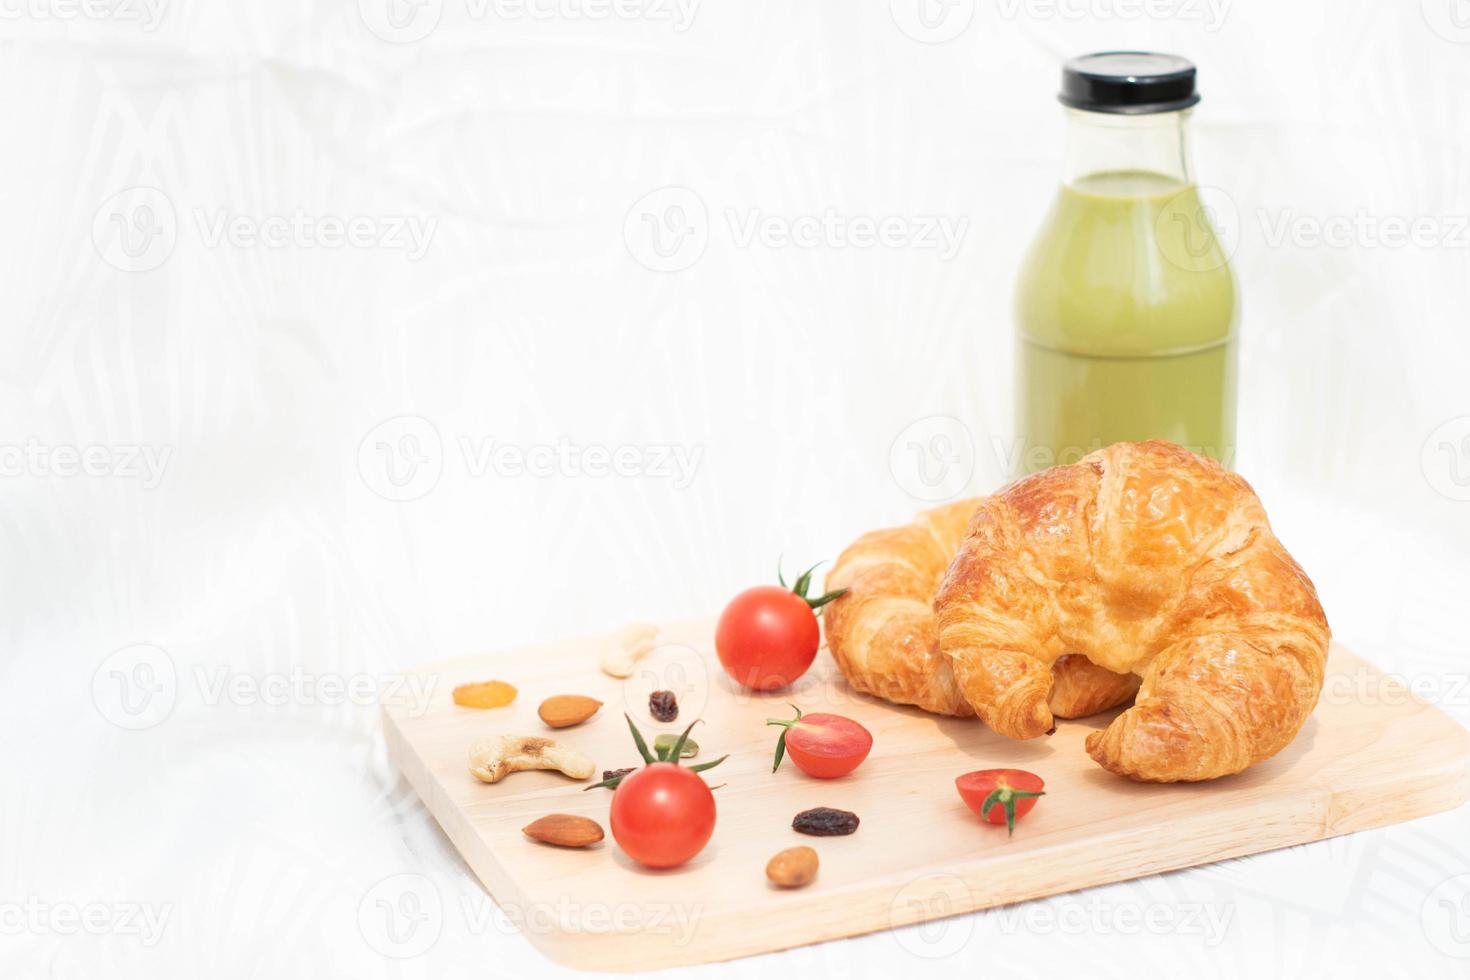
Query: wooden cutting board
point(1370, 755)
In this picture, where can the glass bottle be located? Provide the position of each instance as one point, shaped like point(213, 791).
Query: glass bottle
point(1126, 306)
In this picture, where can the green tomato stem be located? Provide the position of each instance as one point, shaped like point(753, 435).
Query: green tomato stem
point(786, 726)
point(638, 741)
point(1006, 797)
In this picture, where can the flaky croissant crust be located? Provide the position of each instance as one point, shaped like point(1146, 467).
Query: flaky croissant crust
point(1149, 559)
point(883, 635)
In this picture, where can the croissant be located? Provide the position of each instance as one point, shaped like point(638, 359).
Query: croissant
point(1146, 559)
point(883, 634)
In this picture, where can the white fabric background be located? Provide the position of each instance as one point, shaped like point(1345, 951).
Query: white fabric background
point(270, 541)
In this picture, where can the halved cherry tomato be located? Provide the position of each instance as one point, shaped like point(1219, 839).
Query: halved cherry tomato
point(767, 636)
point(821, 745)
point(662, 815)
point(1000, 795)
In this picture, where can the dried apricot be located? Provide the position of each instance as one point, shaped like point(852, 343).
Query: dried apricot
point(484, 694)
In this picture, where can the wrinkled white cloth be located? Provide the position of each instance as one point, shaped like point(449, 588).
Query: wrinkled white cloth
point(344, 336)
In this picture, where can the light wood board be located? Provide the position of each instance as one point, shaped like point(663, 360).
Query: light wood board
point(1370, 755)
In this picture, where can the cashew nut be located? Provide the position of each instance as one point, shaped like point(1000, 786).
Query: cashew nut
point(492, 759)
point(623, 649)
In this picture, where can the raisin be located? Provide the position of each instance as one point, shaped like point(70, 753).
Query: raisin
point(615, 773)
point(663, 705)
point(824, 821)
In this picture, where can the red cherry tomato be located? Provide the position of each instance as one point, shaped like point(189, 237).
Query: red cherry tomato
point(767, 637)
point(821, 745)
point(1000, 795)
point(662, 815)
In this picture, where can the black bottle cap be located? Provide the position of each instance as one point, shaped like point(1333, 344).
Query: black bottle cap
point(1128, 82)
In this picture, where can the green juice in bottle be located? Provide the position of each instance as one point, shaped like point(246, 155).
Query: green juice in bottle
point(1126, 306)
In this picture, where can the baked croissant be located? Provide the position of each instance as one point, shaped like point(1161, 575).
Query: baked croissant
point(883, 635)
point(1149, 559)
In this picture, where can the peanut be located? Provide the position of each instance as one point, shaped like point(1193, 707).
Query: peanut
point(793, 867)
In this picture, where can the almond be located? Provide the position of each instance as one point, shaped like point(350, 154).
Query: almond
point(793, 867)
point(566, 710)
point(564, 830)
